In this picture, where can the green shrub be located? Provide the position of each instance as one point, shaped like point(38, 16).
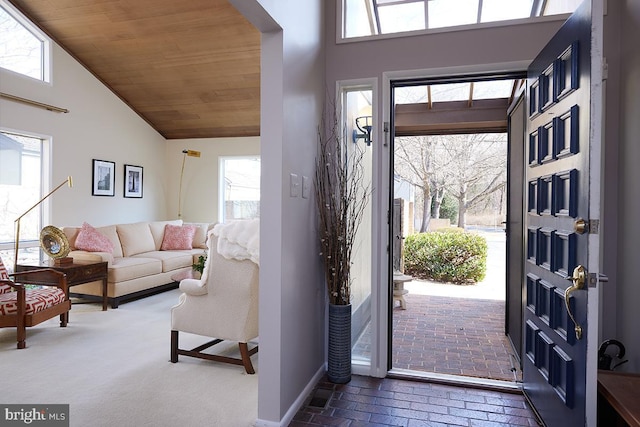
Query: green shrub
point(449, 208)
point(449, 255)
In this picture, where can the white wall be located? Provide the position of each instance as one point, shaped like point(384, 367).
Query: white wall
point(98, 126)
point(626, 178)
point(200, 187)
point(292, 295)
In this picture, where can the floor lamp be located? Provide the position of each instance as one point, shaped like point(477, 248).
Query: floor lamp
point(67, 181)
point(185, 153)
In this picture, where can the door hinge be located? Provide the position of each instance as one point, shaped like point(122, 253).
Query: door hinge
point(385, 128)
point(605, 69)
point(597, 278)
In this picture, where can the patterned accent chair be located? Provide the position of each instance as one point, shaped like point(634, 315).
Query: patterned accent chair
point(21, 308)
point(222, 304)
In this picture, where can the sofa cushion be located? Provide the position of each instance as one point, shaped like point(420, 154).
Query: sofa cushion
point(157, 230)
point(171, 260)
point(36, 300)
point(178, 237)
point(200, 236)
point(129, 268)
point(135, 238)
point(91, 240)
point(109, 231)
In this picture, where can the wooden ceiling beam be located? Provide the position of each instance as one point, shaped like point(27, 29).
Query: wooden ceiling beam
point(485, 115)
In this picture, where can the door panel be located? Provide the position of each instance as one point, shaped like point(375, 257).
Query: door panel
point(557, 184)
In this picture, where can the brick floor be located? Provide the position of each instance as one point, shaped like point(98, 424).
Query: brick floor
point(447, 335)
point(373, 402)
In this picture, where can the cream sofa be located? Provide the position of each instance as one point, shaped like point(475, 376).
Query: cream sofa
point(137, 266)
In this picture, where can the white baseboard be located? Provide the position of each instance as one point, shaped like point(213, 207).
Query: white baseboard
point(297, 404)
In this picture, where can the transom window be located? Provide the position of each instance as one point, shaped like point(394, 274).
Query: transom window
point(23, 48)
point(463, 91)
point(362, 18)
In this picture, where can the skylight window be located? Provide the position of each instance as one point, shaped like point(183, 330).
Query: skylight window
point(464, 91)
point(503, 10)
point(402, 17)
point(450, 13)
point(23, 49)
point(362, 18)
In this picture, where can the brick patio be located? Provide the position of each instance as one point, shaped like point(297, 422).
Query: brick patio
point(449, 335)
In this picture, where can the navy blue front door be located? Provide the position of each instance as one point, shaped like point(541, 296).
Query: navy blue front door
point(556, 199)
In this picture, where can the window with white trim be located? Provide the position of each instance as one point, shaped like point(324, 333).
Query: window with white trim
point(239, 188)
point(24, 49)
point(20, 188)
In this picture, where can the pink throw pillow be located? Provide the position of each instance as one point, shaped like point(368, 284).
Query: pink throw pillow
point(91, 240)
point(178, 237)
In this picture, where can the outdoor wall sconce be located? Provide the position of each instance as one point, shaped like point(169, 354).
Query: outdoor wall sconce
point(364, 125)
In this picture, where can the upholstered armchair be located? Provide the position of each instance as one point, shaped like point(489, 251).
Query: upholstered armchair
point(222, 304)
point(21, 308)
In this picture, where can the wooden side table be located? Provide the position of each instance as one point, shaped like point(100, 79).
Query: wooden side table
point(77, 274)
point(618, 399)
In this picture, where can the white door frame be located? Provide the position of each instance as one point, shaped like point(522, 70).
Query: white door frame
point(594, 240)
point(380, 200)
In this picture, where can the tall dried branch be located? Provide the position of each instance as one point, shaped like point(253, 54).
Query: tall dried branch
point(341, 196)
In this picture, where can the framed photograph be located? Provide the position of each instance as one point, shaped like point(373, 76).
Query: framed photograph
point(104, 178)
point(132, 181)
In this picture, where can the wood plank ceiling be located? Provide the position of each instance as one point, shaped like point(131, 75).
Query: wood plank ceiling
point(190, 68)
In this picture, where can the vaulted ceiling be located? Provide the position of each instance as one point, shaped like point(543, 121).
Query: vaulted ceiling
point(190, 68)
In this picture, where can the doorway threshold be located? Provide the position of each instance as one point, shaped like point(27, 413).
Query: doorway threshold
point(456, 380)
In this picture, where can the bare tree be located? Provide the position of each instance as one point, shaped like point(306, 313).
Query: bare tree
point(468, 167)
point(418, 162)
point(476, 168)
point(20, 50)
point(415, 165)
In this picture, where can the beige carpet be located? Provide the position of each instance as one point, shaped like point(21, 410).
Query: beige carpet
point(113, 369)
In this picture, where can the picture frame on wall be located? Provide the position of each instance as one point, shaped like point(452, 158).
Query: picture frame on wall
point(104, 178)
point(132, 181)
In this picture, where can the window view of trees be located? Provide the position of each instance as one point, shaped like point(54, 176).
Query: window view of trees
point(468, 169)
point(20, 49)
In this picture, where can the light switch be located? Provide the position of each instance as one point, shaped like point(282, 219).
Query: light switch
point(294, 182)
point(306, 187)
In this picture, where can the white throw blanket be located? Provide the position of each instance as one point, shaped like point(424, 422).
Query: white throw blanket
point(239, 239)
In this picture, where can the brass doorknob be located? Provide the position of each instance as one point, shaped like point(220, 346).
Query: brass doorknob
point(580, 226)
point(578, 279)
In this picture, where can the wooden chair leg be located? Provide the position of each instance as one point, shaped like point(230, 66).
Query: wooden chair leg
point(246, 358)
point(21, 323)
point(174, 346)
point(64, 319)
point(21, 334)
point(22, 342)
